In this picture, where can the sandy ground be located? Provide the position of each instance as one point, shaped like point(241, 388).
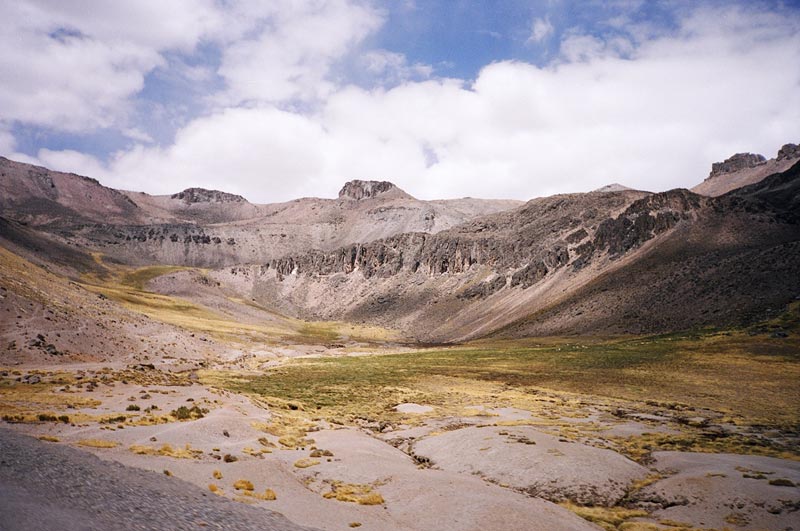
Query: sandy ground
point(447, 473)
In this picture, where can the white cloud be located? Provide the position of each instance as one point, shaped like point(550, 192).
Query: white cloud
point(292, 54)
point(393, 67)
point(653, 115)
point(74, 65)
point(541, 29)
point(7, 142)
point(72, 161)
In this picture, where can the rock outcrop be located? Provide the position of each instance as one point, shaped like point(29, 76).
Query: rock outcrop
point(737, 162)
point(789, 151)
point(364, 189)
point(201, 195)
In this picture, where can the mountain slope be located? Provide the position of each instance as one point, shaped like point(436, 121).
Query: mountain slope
point(582, 263)
point(201, 227)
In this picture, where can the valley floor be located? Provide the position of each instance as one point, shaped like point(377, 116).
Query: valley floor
point(334, 427)
point(457, 438)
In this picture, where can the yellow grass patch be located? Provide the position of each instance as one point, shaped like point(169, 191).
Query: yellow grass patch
point(608, 518)
point(306, 462)
point(243, 484)
point(355, 493)
point(98, 443)
point(166, 450)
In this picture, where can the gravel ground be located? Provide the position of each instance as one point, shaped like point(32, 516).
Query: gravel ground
point(46, 486)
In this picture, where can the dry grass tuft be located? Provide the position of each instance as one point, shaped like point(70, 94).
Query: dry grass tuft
point(217, 474)
point(267, 495)
point(244, 484)
point(215, 489)
point(306, 462)
point(609, 518)
point(355, 493)
point(167, 450)
point(49, 438)
point(98, 443)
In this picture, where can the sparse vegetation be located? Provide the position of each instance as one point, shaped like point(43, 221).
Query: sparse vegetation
point(609, 518)
point(217, 474)
point(167, 450)
point(49, 438)
point(355, 493)
point(98, 443)
point(243, 484)
point(188, 413)
point(552, 378)
point(306, 462)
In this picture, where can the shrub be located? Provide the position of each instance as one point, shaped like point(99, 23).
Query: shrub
point(243, 484)
point(189, 413)
point(132, 407)
point(217, 474)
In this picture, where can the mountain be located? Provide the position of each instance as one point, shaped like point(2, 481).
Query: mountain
point(611, 261)
point(211, 228)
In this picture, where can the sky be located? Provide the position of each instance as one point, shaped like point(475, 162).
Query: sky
point(281, 99)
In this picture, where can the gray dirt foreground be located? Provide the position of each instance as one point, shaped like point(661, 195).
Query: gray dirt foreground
point(47, 487)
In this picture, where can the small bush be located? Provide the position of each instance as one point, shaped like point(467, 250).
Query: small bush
point(217, 474)
point(230, 458)
point(243, 484)
point(49, 438)
point(269, 495)
point(189, 413)
point(213, 488)
point(132, 407)
point(782, 482)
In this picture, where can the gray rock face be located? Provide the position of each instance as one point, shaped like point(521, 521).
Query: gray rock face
point(789, 151)
point(737, 162)
point(363, 189)
point(201, 195)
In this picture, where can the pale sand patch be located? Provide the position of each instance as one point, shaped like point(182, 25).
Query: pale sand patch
point(410, 407)
point(540, 464)
point(707, 489)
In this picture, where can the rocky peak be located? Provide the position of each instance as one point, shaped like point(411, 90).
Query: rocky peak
point(789, 151)
point(613, 187)
point(363, 189)
point(737, 162)
point(201, 195)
